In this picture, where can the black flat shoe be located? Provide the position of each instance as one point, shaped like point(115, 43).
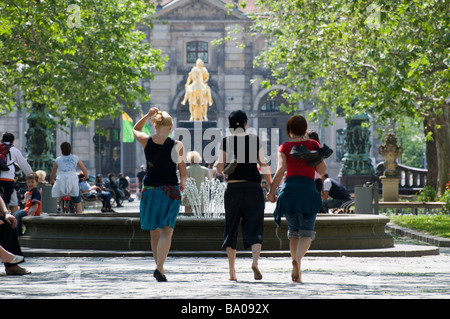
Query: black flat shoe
point(322, 153)
point(301, 152)
point(159, 276)
point(325, 151)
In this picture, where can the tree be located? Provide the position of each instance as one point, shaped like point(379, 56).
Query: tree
point(82, 59)
point(389, 59)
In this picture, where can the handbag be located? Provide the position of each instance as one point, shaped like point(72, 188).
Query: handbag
point(230, 168)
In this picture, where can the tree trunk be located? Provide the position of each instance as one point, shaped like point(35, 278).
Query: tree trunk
point(442, 139)
point(431, 152)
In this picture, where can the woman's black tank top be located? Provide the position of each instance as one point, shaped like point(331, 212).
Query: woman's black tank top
point(161, 169)
point(246, 150)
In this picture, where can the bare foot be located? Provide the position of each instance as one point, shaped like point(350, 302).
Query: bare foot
point(16, 270)
point(296, 274)
point(232, 275)
point(256, 273)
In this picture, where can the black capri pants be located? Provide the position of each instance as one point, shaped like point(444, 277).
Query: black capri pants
point(244, 202)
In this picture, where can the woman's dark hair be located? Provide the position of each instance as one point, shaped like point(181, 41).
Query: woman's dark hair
point(66, 148)
point(313, 135)
point(237, 119)
point(296, 125)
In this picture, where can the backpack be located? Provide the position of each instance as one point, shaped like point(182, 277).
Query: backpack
point(4, 151)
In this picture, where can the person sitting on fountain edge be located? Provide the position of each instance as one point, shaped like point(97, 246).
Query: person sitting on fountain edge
point(338, 193)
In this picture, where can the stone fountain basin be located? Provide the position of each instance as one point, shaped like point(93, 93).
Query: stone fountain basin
point(121, 232)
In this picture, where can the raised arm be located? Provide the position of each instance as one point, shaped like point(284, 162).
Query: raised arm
point(141, 137)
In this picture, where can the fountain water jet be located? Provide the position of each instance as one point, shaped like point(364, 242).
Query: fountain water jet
point(208, 201)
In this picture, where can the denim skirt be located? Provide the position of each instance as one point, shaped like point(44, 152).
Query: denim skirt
point(298, 201)
point(159, 206)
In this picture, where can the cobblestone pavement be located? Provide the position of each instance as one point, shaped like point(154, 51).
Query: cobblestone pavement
point(204, 278)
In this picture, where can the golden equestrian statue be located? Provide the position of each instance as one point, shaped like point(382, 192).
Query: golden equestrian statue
point(198, 93)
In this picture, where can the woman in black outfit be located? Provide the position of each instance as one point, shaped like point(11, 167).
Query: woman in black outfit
point(244, 198)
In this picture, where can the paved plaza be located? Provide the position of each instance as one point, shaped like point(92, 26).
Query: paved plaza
point(201, 278)
point(207, 278)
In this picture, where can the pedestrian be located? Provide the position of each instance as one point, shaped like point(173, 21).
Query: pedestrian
point(298, 200)
point(99, 181)
point(10, 242)
point(198, 172)
point(195, 169)
point(88, 192)
point(160, 196)
point(41, 175)
point(113, 187)
point(33, 202)
point(124, 186)
point(244, 199)
point(139, 179)
point(66, 182)
point(7, 177)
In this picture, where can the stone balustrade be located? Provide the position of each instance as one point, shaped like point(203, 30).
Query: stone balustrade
point(412, 179)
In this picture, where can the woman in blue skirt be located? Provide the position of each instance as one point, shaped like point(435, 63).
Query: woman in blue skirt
point(160, 193)
point(299, 201)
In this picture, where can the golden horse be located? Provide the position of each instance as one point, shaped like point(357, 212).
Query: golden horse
point(198, 93)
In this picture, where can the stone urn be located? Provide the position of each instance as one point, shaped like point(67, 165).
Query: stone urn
point(390, 179)
point(390, 152)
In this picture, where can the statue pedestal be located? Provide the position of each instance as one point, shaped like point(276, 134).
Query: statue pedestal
point(357, 168)
point(390, 188)
point(201, 136)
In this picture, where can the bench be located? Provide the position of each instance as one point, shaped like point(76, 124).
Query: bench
point(90, 201)
point(413, 206)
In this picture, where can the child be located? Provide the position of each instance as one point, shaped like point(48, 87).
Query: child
point(33, 201)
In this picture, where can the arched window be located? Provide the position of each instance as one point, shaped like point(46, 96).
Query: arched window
point(271, 106)
point(196, 50)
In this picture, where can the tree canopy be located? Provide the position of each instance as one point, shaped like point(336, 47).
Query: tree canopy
point(388, 59)
point(82, 59)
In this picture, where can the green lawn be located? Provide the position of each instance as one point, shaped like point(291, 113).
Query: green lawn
point(437, 225)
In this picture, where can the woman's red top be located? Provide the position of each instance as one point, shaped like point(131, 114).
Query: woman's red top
point(298, 167)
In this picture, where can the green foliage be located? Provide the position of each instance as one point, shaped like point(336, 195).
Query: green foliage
point(427, 194)
point(445, 198)
point(387, 59)
point(82, 59)
point(392, 56)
